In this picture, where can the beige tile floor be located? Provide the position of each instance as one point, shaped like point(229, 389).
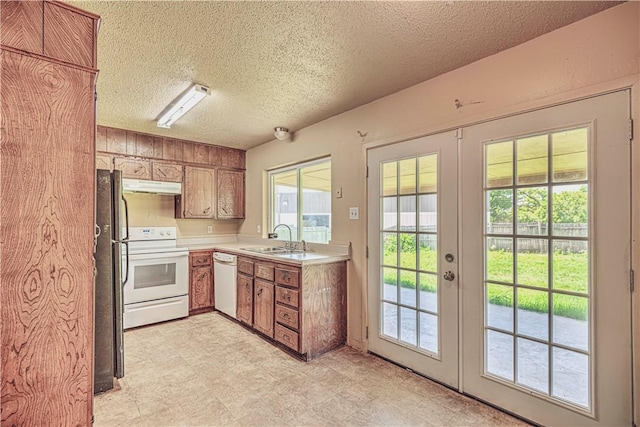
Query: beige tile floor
point(207, 370)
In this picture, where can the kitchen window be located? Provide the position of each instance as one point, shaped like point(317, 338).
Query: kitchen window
point(300, 198)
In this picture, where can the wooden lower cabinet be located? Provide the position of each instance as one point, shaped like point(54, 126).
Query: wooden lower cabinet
point(200, 282)
point(263, 305)
point(244, 310)
point(301, 307)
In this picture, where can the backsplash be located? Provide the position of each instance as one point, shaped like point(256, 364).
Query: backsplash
point(156, 210)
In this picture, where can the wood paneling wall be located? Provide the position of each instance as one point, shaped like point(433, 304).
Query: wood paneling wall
point(47, 197)
point(130, 143)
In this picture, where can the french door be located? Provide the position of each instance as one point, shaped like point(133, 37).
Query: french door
point(412, 233)
point(544, 242)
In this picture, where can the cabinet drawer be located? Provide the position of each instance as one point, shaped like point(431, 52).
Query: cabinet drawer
point(133, 168)
point(287, 296)
point(287, 316)
point(287, 277)
point(287, 337)
point(166, 172)
point(245, 266)
point(263, 271)
point(200, 259)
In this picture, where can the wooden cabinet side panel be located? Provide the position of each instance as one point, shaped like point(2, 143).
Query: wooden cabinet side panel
point(21, 23)
point(68, 35)
point(324, 308)
point(47, 214)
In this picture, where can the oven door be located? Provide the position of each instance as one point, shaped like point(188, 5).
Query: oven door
point(157, 276)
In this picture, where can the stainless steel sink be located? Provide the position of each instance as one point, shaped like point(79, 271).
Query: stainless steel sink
point(272, 250)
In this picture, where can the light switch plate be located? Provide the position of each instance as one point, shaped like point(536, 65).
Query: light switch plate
point(354, 213)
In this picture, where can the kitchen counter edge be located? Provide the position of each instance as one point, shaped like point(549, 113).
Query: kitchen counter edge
point(235, 249)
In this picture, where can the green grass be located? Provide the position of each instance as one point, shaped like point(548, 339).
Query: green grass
point(570, 272)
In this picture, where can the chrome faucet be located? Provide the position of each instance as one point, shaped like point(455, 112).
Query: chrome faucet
point(275, 235)
point(304, 245)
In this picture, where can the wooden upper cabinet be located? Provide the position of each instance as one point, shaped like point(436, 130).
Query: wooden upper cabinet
point(21, 23)
point(133, 168)
point(198, 193)
point(230, 194)
point(104, 161)
point(69, 35)
point(161, 171)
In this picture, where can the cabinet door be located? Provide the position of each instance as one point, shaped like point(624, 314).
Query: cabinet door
point(104, 161)
point(161, 171)
point(198, 195)
point(48, 201)
point(201, 289)
point(230, 194)
point(133, 168)
point(263, 307)
point(245, 299)
point(22, 23)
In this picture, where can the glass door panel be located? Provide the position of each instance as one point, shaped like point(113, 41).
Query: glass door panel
point(545, 295)
point(413, 310)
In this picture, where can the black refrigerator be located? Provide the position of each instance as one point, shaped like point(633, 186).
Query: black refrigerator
point(112, 229)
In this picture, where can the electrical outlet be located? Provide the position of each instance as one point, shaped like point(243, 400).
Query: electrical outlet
point(354, 213)
point(209, 229)
point(339, 193)
point(258, 229)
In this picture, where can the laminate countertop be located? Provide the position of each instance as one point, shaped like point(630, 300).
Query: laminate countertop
point(298, 258)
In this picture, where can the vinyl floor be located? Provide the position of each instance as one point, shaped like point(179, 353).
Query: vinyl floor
point(206, 370)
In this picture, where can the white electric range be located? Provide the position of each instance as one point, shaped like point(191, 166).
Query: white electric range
point(157, 277)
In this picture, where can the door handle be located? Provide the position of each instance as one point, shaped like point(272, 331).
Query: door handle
point(449, 276)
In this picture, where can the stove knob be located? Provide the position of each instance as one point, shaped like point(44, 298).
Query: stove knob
point(162, 233)
point(169, 233)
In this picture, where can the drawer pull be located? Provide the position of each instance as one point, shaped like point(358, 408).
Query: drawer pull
point(286, 337)
point(286, 316)
point(259, 291)
point(288, 297)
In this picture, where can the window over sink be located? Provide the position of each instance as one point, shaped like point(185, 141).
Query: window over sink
point(300, 198)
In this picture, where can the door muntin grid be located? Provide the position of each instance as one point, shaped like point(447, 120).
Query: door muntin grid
point(537, 258)
point(409, 285)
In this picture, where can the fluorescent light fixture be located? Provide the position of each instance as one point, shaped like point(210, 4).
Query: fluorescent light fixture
point(183, 104)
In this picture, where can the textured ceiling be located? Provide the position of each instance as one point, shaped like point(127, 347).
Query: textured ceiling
point(292, 64)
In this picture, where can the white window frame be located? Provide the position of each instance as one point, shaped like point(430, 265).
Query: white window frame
point(297, 167)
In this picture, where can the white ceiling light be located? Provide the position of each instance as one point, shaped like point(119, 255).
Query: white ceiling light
point(281, 133)
point(183, 104)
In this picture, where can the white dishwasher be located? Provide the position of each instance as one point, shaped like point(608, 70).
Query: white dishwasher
point(224, 282)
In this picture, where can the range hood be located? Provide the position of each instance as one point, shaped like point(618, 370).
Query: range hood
point(154, 187)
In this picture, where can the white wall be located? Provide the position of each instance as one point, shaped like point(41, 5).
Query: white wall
point(596, 54)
